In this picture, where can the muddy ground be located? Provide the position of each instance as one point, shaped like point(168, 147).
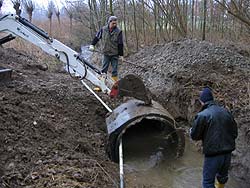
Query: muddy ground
point(176, 72)
point(52, 130)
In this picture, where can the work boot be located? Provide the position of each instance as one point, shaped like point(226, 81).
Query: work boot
point(219, 185)
point(115, 78)
point(97, 89)
point(102, 77)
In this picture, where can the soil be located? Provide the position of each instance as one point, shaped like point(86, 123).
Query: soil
point(52, 129)
point(176, 72)
point(53, 132)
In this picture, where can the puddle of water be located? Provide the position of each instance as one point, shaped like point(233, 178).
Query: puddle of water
point(150, 165)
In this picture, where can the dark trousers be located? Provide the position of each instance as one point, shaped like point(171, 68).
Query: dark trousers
point(216, 167)
point(107, 59)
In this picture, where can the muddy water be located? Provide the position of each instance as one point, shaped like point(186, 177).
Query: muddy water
point(149, 164)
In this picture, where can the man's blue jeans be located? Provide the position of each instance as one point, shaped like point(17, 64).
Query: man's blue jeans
point(216, 167)
point(114, 63)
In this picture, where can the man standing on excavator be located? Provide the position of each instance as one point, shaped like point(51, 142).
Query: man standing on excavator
point(112, 39)
point(217, 129)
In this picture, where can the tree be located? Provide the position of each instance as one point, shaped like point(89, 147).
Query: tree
point(70, 10)
point(29, 7)
point(211, 14)
point(135, 26)
point(151, 21)
point(111, 7)
point(174, 12)
point(192, 18)
point(238, 9)
point(92, 9)
point(143, 21)
point(204, 20)
point(124, 21)
point(103, 12)
point(57, 11)
point(1, 4)
point(16, 6)
point(50, 10)
point(155, 21)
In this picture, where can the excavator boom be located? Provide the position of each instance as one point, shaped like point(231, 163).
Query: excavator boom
point(131, 113)
point(74, 63)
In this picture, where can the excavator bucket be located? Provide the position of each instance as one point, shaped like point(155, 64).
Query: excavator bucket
point(131, 86)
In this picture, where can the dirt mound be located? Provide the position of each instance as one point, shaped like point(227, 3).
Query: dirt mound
point(177, 71)
point(51, 129)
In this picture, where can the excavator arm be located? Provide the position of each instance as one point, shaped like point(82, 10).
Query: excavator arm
point(131, 113)
point(74, 63)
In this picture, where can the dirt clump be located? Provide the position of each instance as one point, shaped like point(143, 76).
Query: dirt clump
point(177, 71)
point(52, 130)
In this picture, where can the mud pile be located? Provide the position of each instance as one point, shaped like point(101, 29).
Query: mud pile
point(52, 130)
point(177, 71)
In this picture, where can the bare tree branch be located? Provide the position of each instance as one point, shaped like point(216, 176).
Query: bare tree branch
point(233, 8)
point(50, 10)
point(16, 6)
point(29, 7)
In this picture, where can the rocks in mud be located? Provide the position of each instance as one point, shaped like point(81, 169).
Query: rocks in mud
point(42, 67)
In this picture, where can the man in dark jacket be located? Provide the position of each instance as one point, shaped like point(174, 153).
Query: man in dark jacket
point(217, 129)
point(112, 39)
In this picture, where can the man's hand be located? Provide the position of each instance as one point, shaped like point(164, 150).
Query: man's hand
point(121, 59)
point(91, 48)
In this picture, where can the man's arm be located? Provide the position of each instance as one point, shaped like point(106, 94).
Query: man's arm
point(98, 36)
point(198, 127)
point(120, 44)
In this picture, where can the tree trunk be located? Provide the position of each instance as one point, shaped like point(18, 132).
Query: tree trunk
point(91, 19)
point(222, 19)
point(71, 24)
point(50, 26)
point(204, 20)
point(59, 21)
point(95, 16)
point(155, 22)
point(180, 20)
point(143, 21)
point(125, 24)
point(111, 7)
point(30, 17)
point(135, 26)
point(196, 12)
point(103, 12)
point(192, 21)
point(185, 15)
point(211, 14)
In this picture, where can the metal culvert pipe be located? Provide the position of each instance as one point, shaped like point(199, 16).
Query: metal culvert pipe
point(135, 112)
